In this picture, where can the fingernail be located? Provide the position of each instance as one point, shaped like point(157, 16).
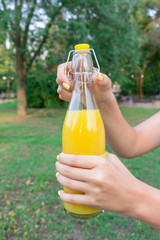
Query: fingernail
point(100, 77)
point(58, 157)
point(66, 86)
point(57, 174)
point(59, 193)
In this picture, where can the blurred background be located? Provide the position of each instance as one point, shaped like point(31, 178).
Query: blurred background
point(35, 37)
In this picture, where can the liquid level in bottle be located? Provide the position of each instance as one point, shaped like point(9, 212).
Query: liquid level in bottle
point(83, 134)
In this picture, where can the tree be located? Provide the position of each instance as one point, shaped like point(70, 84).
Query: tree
point(147, 17)
point(27, 25)
point(107, 26)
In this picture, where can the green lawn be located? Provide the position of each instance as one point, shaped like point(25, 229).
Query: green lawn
point(29, 205)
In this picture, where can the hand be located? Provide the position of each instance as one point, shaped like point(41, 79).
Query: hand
point(65, 87)
point(101, 87)
point(106, 182)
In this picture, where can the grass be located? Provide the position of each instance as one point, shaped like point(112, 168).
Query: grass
point(8, 109)
point(29, 206)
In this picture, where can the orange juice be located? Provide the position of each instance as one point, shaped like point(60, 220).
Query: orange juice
point(83, 134)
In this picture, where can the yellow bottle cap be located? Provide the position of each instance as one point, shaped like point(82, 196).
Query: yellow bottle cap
point(81, 46)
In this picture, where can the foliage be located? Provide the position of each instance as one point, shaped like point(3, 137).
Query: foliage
point(123, 33)
point(147, 18)
point(41, 90)
point(27, 24)
point(32, 21)
point(7, 69)
point(152, 77)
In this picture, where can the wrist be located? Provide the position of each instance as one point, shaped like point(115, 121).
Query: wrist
point(134, 200)
point(106, 99)
point(145, 204)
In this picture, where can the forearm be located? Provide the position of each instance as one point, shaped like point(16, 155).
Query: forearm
point(145, 206)
point(120, 136)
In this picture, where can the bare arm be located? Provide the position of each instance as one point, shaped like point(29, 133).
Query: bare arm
point(147, 205)
point(124, 140)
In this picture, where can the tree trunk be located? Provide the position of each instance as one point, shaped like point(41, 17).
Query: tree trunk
point(21, 96)
point(21, 85)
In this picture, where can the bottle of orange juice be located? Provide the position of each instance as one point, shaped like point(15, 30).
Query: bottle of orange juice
point(83, 129)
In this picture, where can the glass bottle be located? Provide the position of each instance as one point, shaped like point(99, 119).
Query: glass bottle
point(83, 130)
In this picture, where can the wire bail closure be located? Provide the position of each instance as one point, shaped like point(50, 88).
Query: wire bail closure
point(68, 58)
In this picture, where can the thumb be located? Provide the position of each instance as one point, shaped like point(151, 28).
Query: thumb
point(101, 81)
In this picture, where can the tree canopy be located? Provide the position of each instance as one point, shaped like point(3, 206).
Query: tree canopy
point(125, 35)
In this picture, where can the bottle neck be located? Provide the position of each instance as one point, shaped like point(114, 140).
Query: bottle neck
point(82, 97)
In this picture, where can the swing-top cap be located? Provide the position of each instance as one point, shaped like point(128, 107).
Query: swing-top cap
point(81, 46)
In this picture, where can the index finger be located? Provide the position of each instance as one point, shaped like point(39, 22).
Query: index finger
point(80, 161)
point(61, 77)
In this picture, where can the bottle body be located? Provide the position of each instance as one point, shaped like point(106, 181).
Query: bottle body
point(83, 134)
point(83, 130)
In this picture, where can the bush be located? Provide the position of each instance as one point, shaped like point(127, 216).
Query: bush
point(42, 90)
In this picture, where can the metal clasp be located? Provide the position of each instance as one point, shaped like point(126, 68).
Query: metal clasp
point(68, 58)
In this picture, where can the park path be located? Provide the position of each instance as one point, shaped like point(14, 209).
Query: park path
point(130, 103)
point(5, 101)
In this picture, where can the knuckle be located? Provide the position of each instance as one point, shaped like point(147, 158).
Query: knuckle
point(93, 202)
point(95, 199)
point(73, 160)
point(103, 160)
point(65, 197)
point(59, 89)
point(61, 97)
point(58, 81)
point(71, 199)
point(61, 66)
point(98, 179)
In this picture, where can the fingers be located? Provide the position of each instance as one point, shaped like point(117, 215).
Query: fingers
point(72, 184)
point(61, 77)
point(102, 80)
point(80, 161)
point(72, 172)
point(79, 199)
point(65, 87)
point(64, 94)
